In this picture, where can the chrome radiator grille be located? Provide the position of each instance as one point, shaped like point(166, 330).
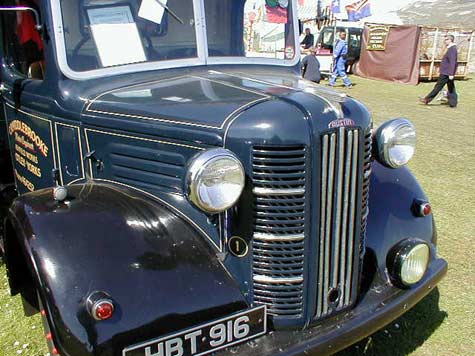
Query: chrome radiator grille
point(339, 241)
point(279, 229)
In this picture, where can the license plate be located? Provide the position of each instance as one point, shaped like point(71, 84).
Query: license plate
point(206, 338)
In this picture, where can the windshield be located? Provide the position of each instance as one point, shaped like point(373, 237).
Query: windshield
point(250, 28)
point(105, 33)
point(95, 37)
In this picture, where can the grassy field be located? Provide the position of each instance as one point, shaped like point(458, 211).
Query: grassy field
point(444, 322)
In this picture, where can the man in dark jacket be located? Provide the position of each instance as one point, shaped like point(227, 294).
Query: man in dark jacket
point(308, 39)
point(448, 68)
point(311, 66)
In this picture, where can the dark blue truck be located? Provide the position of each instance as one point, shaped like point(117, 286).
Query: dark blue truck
point(171, 186)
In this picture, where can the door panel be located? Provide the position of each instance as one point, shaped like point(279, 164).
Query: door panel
point(32, 150)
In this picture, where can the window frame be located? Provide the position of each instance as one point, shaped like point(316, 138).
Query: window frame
point(202, 59)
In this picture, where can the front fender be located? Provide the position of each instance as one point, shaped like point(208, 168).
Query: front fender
point(390, 219)
point(161, 274)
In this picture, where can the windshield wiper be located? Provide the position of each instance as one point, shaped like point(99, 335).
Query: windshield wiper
point(170, 11)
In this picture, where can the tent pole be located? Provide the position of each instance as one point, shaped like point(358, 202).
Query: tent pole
point(470, 48)
point(434, 49)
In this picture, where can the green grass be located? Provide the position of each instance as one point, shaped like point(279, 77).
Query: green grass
point(444, 322)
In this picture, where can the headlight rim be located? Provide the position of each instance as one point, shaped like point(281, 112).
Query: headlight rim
point(382, 140)
point(396, 257)
point(197, 165)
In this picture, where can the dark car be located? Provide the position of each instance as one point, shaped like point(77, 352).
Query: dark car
point(180, 190)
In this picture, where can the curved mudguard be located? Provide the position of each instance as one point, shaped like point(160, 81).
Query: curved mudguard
point(161, 274)
point(391, 219)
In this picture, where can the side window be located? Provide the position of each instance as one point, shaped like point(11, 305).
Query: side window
point(22, 44)
point(355, 39)
point(327, 38)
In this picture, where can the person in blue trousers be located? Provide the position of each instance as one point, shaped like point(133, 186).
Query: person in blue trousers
point(339, 55)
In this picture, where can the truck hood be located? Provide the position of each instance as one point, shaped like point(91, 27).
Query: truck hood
point(200, 106)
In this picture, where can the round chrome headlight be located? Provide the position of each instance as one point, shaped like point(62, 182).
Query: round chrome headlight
point(215, 180)
point(410, 262)
point(396, 142)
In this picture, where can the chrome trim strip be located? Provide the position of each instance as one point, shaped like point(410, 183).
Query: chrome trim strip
point(344, 220)
point(322, 223)
point(271, 237)
point(276, 280)
point(271, 191)
point(86, 130)
point(338, 209)
point(351, 235)
point(328, 222)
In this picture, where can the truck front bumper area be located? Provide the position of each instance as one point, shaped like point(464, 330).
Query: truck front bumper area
point(375, 310)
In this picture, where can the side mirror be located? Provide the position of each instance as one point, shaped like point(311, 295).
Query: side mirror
point(38, 25)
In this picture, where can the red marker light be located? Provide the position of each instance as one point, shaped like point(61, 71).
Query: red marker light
point(426, 209)
point(103, 309)
point(421, 208)
point(55, 351)
point(49, 336)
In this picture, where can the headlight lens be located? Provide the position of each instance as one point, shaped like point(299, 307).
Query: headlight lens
point(414, 264)
point(215, 180)
point(409, 262)
point(396, 142)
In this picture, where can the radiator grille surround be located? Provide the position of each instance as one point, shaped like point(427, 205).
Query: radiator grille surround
point(301, 247)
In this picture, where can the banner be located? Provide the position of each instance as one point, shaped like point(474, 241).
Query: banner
point(377, 37)
point(276, 11)
point(358, 10)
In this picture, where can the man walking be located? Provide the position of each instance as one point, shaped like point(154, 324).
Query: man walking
point(448, 68)
point(340, 53)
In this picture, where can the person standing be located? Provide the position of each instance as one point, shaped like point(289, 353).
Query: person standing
point(448, 68)
point(308, 40)
point(340, 53)
point(311, 66)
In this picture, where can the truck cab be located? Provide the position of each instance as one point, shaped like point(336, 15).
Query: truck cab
point(326, 40)
point(180, 190)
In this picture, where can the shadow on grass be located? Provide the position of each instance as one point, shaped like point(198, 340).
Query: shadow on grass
point(405, 334)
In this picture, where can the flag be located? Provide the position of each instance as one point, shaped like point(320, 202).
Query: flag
point(335, 6)
point(358, 10)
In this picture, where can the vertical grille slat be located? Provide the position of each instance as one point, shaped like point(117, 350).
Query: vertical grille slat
point(328, 220)
point(346, 207)
point(321, 255)
point(338, 208)
point(351, 235)
point(279, 229)
point(339, 243)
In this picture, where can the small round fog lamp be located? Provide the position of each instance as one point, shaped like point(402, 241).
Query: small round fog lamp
point(409, 262)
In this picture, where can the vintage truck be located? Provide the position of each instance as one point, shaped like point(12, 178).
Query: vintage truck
point(180, 190)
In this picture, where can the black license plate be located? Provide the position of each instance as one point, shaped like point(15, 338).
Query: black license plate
point(206, 338)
